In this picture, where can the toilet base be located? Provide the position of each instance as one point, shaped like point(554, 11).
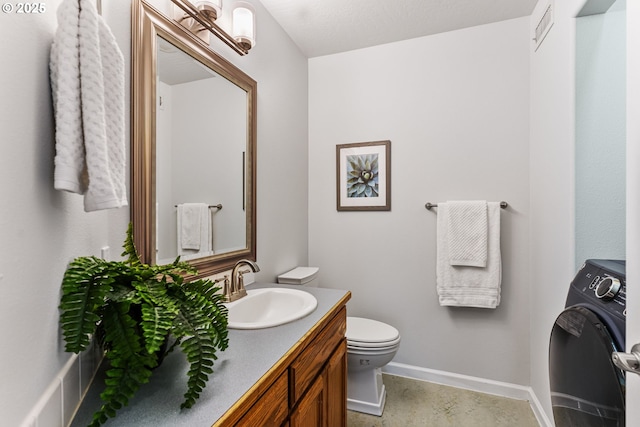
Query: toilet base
point(366, 392)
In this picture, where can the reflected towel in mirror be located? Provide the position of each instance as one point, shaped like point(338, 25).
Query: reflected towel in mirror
point(194, 232)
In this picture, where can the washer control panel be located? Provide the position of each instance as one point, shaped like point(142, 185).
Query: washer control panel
point(601, 282)
point(607, 288)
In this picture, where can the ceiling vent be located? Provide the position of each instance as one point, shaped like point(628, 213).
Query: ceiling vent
point(543, 25)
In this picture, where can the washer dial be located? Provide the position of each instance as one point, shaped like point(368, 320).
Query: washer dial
point(608, 288)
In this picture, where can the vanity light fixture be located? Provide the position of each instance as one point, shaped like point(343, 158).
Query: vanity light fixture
point(244, 26)
point(201, 18)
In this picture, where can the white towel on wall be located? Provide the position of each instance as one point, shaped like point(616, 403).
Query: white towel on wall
point(64, 68)
point(194, 231)
point(466, 286)
point(87, 80)
point(467, 229)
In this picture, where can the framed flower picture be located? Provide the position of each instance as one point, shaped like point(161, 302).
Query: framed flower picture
point(363, 176)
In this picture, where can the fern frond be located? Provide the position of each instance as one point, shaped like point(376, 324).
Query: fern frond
point(124, 378)
point(120, 330)
point(154, 296)
point(156, 326)
point(205, 287)
point(129, 366)
point(153, 289)
point(200, 350)
point(83, 290)
point(130, 251)
point(174, 273)
point(204, 295)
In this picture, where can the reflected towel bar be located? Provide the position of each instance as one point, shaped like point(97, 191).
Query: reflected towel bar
point(218, 206)
point(430, 205)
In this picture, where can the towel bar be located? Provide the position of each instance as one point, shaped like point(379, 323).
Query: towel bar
point(218, 206)
point(430, 205)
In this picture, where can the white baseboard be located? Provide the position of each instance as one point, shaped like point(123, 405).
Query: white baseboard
point(482, 385)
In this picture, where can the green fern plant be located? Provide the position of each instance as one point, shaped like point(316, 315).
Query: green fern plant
point(134, 309)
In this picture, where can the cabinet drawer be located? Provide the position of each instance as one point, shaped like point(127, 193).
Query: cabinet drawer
point(305, 368)
point(271, 409)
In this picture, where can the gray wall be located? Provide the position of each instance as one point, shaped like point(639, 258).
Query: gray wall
point(600, 135)
point(456, 109)
point(41, 229)
point(552, 172)
point(554, 243)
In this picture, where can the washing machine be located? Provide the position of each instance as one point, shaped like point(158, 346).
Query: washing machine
point(587, 389)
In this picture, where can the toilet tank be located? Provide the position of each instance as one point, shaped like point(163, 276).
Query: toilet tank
point(305, 276)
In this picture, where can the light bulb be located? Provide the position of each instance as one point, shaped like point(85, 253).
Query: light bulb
point(243, 27)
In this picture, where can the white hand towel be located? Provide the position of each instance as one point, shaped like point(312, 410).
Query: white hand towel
point(194, 230)
point(87, 82)
point(189, 216)
point(64, 67)
point(102, 88)
point(466, 286)
point(467, 230)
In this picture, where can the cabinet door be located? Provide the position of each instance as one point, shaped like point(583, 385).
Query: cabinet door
point(336, 387)
point(272, 407)
point(314, 358)
point(311, 409)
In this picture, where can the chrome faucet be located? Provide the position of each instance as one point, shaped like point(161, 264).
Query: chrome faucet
point(235, 290)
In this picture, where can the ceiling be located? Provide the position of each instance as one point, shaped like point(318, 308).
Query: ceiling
point(324, 27)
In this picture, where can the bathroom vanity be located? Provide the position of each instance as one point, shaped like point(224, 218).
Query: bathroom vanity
point(291, 375)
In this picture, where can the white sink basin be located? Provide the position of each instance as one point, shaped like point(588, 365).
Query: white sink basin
point(267, 307)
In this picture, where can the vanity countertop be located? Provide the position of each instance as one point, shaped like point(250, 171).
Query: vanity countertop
point(250, 355)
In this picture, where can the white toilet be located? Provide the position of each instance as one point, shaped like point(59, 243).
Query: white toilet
point(370, 346)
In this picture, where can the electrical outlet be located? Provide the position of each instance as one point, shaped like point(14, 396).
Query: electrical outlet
point(105, 253)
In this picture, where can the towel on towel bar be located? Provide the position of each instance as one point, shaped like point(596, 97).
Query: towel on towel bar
point(194, 232)
point(467, 230)
point(466, 286)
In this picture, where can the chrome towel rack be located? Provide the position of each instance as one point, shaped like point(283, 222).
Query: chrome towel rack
point(218, 206)
point(430, 205)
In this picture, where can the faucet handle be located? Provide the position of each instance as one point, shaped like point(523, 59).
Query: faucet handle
point(240, 283)
point(226, 291)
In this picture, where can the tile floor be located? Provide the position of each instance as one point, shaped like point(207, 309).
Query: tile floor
point(413, 403)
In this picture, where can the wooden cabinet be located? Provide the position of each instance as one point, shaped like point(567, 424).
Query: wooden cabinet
point(311, 409)
point(271, 409)
point(308, 388)
point(325, 403)
point(336, 386)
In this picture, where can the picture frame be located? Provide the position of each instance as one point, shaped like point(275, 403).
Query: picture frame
point(363, 176)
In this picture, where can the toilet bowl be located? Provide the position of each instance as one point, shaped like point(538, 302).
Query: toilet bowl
point(370, 346)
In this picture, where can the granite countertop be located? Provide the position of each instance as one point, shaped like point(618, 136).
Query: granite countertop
point(251, 353)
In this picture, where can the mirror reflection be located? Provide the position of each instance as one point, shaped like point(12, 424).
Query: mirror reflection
point(201, 138)
point(193, 157)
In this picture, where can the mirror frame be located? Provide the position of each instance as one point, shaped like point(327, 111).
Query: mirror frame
point(147, 24)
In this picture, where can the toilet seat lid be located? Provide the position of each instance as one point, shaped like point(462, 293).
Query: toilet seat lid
point(369, 331)
point(373, 346)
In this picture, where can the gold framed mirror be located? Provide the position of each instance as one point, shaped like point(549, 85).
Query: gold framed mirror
point(193, 148)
